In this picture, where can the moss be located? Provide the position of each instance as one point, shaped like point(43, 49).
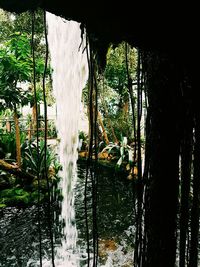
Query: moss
point(19, 197)
point(14, 196)
point(34, 197)
point(43, 183)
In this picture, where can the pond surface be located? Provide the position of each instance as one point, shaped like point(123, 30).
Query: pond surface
point(19, 236)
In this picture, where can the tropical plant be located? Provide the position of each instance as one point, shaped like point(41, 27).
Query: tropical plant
point(114, 103)
point(16, 65)
point(8, 144)
point(120, 152)
point(34, 157)
point(114, 91)
point(16, 68)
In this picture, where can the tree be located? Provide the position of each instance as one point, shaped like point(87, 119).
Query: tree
point(117, 98)
point(114, 94)
point(16, 68)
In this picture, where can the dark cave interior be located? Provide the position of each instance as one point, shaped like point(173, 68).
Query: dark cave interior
point(167, 37)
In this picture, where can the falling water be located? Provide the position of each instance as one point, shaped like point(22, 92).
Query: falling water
point(70, 73)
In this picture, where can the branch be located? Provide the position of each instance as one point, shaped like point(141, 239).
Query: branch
point(14, 169)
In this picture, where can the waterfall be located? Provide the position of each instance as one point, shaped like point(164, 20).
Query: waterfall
point(70, 74)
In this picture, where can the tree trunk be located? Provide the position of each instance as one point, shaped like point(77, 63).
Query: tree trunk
point(13, 169)
point(130, 90)
point(17, 137)
point(193, 262)
point(163, 176)
point(116, 141)
point(109, 120)
point(100, 121)
point(186, 159)
point(125, 112)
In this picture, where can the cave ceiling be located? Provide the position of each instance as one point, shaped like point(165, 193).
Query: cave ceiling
point(166, 28)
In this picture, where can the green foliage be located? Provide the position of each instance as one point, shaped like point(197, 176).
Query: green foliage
point(34, 197)
point(19, 197)
point(82, 135)
point(15, 67)
point(16, 70)
point(112, 149)
point(121, 153)
point(114, 101)
point(14, 196)
point(126, 152)
point(115, 72)
point(116, 69)
point(15, 58)
point(52, 131)
point(16, 64)
point(8, 143)
point(6, 25)
point(33, 160)
point(22, 23)
point(83, 140)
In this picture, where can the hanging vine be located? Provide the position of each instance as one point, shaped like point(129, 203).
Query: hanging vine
point(37, 135)
point(139, 207)
point(91, 168)
point(45, 169)
point(50, 217)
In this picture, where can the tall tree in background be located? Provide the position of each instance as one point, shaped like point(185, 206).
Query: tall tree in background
point(117, 102)
point(115, 112)
point(16, 65)
point(15, 69)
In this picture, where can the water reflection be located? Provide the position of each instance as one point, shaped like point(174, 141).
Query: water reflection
point(19, 237)
point(114, 202)
point(114, 215)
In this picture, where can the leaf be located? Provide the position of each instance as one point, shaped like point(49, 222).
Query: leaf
point(124, 141)
point(31, 161)
point(19, 191)
point(130, 155)
point(119, 162)
point(122, 151)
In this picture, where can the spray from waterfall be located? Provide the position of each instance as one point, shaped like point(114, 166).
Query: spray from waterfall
point(70, 72)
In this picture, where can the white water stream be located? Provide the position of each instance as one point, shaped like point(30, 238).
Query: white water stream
point(70, 73)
